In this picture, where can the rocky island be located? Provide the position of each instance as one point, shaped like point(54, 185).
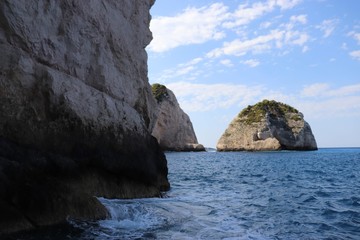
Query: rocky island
point(77, 110)
point(173, 128)
point(268, 125)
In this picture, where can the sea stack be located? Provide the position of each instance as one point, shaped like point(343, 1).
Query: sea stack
point(266, 126)
point(77, 110)
point(173, 128)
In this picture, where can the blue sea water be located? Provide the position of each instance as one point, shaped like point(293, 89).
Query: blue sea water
point(241, 195)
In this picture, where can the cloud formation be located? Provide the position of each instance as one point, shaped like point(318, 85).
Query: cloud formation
point(277, 38)
point(227, 63)
point(239, 47)
point(314, 90)
point(195, 97)
point(328, 26)
point(355, 54)
point(199, 25)
point(318, 100)
point(251, 62)
point(192, 26)
point(355, 35)
point(245, 13)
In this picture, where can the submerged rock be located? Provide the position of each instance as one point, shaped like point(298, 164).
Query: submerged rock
point(268, 125)
point(173, 128)
point(76, 110)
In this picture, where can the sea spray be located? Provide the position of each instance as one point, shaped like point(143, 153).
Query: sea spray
point(242, 195)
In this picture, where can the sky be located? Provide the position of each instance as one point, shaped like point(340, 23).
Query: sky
point(218, 57)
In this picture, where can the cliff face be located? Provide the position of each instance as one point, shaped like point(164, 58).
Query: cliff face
point(268, 125)
point(76, 110)
point(173, 128)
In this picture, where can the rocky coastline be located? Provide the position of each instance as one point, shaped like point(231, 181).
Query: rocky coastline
point(76, 110)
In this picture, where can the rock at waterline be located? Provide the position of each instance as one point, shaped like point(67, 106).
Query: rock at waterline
point(268, 125)
point(76, 110)
point(173, 128)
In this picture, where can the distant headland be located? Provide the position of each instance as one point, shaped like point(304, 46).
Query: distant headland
point(173, 128)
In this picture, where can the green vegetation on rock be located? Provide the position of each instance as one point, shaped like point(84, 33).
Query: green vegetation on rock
point(296, 118)
point(255, 113)
point(159, 91)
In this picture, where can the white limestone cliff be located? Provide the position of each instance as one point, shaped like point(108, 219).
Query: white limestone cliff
point(76, 110)
point(173, 128)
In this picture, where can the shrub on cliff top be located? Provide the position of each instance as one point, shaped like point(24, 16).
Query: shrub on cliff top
point(159, 91)
point(254, 114)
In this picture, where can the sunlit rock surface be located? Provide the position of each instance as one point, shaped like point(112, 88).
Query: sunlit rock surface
point(173, 128)
point(268, 125)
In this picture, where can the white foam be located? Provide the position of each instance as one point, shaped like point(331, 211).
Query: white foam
point(129, 215)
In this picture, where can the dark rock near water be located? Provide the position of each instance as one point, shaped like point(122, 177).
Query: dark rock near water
point(76, 110)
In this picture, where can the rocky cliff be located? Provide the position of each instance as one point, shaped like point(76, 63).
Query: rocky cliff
point(76, 110)
point(268, 125)
point(173, 128)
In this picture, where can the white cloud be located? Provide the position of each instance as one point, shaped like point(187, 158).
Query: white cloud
point(355, 54)
point(192, 26)
point(188, 70)
point(283, 37)
point(184, 70)
point(344, 91)
point(296, 38)
point(240, 48)
point(315, 101)
point(204, 97)
point(328, 27)
point(275, 39)
point(199, 25)
point(355, 35)
point(287, 4)
point(330, 107)
point(314, 90)
point(251, 62)
point(192, 62)
point(244, 14)
point(324, 90)
point(227, 63)
point(299, 18)
point(320, 100)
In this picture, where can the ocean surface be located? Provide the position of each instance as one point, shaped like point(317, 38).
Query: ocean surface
point(238, 195)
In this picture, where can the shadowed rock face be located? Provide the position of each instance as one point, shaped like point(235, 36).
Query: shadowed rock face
point(173, 128)
point(268, 125)
point(76, 110)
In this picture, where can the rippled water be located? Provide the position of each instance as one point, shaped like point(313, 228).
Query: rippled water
point(242, 195)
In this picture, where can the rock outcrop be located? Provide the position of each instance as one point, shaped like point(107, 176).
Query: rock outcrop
point(76, 110)
point(173, 128)
point(268, 125)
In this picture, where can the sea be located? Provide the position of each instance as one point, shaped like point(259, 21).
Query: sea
point(237, 195)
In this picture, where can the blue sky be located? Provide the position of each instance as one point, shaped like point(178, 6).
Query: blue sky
point(221, 56)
